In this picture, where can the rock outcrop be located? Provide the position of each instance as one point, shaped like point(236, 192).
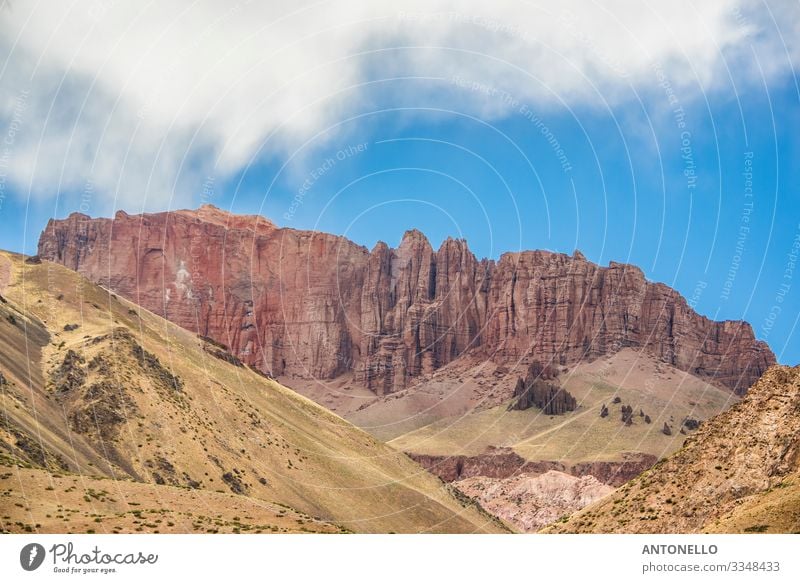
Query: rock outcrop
point(502, 463)
point(535, 391)
point(316, 305)
point(531, 501)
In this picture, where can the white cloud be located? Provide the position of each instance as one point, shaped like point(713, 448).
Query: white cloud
point(144, 98)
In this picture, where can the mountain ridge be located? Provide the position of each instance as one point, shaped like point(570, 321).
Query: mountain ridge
point(316, 305)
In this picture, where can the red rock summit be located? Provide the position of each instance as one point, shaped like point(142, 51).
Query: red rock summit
point(316, 305)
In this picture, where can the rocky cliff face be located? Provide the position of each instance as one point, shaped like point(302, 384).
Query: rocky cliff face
point(501, 463)
point(316, 305)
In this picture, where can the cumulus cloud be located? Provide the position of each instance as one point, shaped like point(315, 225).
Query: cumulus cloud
point(138, 102)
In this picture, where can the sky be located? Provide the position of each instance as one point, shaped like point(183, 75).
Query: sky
point(658, 134)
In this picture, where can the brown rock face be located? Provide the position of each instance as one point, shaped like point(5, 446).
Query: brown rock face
point(502, 463)
point(535, 391)
point(317, 305)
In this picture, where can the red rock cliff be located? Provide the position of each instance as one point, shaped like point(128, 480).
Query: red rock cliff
point(317, 305)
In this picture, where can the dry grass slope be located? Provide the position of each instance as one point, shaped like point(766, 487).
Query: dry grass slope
point(72, 503)
point(663, 393)
point(94, 387)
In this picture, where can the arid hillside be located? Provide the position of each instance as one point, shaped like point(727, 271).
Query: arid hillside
point(739, 473)
point(114, 419)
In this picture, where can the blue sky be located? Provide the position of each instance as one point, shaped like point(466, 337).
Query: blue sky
point(686, 166)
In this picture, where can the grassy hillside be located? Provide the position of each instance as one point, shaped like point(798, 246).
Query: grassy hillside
point(95, 386)
point(665, 395)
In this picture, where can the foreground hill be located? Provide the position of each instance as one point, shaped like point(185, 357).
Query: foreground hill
point(739, 473)
point(109, 411)
point(316, 306)
point(40, 501)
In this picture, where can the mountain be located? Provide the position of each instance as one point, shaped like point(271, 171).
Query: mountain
point(740, 472)
point(115, 419)
point(309, 305)
point(534, 374)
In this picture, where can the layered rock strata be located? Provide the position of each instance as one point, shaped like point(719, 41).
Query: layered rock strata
point(311, 304)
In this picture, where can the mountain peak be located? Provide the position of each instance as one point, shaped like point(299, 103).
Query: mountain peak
point(414, 241)
point(414, 235)
point(210, 213)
